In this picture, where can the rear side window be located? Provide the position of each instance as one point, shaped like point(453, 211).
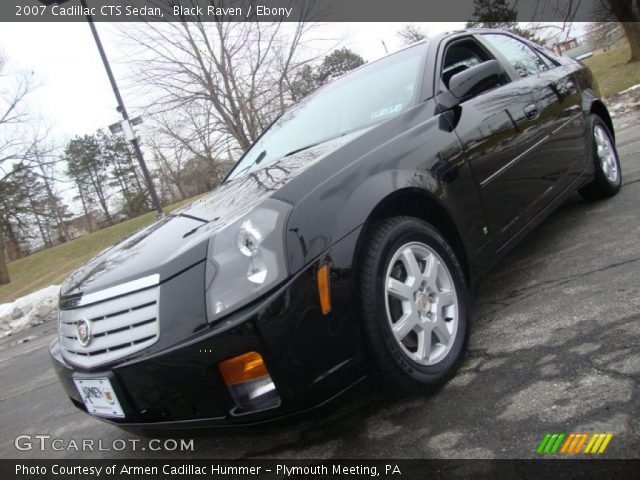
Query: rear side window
point(548, 57)
point(523, 58)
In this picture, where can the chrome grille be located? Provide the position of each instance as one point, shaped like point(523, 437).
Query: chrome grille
point(118, 327)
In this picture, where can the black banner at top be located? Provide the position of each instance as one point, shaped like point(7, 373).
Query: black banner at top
point(315, 10)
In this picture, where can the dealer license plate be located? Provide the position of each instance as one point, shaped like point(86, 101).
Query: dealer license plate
point(99, 397)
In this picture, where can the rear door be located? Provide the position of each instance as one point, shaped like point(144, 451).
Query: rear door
point(557, 103)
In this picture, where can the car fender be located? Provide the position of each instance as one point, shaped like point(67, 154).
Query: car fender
point(340, 211)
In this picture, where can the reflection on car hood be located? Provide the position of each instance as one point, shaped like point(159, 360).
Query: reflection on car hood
point(239, 195)
point(170, 245)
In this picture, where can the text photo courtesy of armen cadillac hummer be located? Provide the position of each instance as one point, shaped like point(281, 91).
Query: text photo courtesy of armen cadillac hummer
point(213, 470)
point(292, 237)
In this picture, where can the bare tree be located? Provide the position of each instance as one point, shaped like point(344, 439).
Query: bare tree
point(170, 154)
point(412, 33)
point(46, 159)
point(17, 142)
point(242, 70)
point(187, 137)
point(626, 12)
point(603, 34)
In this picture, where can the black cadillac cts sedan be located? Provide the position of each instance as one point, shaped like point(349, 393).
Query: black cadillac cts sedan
point(344, 243)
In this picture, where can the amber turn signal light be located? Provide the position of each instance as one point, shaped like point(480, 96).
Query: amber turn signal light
point(324, 288)
point(243, 368)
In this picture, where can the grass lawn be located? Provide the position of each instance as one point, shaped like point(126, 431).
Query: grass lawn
point(52, 265)
point(613, 72)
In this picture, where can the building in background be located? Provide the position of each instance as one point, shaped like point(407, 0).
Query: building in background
point(561, 47)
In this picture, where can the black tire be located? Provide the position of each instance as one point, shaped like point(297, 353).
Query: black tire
point(389, 363)
point(601, 187)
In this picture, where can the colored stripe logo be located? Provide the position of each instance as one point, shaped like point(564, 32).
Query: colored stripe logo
point(573, 443)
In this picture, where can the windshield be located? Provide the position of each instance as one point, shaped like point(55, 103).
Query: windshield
point(369, 95)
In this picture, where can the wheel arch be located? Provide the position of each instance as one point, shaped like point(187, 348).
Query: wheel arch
point(416, 202)
point(598, 108)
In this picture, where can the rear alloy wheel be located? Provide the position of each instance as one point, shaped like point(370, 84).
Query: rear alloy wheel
point(414, 304)
point(607, 178)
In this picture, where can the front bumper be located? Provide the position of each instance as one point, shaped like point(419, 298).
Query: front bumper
point(311, 358)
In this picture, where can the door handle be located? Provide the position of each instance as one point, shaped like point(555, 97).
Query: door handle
point(531, 111)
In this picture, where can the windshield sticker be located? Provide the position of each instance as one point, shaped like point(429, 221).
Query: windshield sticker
point(386, 111)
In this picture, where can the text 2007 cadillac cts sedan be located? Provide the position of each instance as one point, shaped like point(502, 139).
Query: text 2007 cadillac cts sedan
point(343, 243)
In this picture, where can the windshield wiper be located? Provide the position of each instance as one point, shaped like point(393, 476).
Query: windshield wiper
point(263, 154)
point(260, 157)
point(255, 162)
point(298, 150)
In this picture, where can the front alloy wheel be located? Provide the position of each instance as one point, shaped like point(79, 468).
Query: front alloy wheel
point(413, 298)
point(421, 303)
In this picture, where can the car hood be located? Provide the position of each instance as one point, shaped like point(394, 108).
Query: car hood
point(176, 242)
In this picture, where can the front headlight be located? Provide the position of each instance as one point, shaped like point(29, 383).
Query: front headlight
point(246, 258)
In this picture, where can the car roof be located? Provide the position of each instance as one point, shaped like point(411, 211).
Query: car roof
point(471, 31)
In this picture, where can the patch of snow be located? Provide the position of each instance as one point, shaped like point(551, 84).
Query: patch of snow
point(6, 309)
point(630, 89)
point(624, 102)
point(29, 311)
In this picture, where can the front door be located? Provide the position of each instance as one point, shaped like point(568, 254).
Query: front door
point(501, 133)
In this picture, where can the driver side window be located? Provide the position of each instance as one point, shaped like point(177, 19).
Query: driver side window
point(459, 56)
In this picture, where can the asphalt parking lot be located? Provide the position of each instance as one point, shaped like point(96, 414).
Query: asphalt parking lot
point(555, 347)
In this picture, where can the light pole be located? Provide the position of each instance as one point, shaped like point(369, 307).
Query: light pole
point(121, 108)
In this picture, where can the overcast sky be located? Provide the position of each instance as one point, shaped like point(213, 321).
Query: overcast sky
point(75, 96)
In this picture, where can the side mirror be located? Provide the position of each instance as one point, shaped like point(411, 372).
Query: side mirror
point(471, 82)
